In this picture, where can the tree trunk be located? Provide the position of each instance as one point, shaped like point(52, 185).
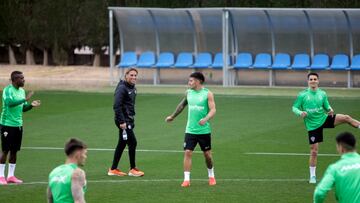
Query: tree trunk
point(45, 57)
point(96, 61)
point(12, 58)
point(30, 60)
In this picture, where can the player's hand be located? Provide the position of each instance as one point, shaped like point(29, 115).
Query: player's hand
point(29, 95)
point(35, 103)
point(122, 126)
point(202, 121)
point(303, 114)
point(169, 119)
point(331, 112)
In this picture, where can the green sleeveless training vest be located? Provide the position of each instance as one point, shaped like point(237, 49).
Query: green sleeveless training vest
point(60, 183)
point(198, 109)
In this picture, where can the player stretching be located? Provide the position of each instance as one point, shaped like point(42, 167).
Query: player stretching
point(201, 110)
point(313, 106)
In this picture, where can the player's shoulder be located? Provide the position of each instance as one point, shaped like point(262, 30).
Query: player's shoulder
point(206, 89)
point(120, 87)
point(209, 92)
point(9, 87)
point(78, 172)
point(321, 91)
point(303, 92)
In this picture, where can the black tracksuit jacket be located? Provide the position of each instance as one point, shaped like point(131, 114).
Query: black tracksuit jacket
point(124, 103)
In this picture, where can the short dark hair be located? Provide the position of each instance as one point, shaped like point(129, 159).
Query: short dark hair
point(199, 76)
point(14, 75)
point(310, 74)
point(72, 145)
point(347, 140)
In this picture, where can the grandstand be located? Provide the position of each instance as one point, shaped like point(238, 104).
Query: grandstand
point(261, 46)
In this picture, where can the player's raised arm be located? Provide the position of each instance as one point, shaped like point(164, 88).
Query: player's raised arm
point(180, 107)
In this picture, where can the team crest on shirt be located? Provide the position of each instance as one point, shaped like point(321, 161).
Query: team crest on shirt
point(201, 99)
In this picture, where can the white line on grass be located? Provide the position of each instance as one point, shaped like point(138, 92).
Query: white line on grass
point(286, 154)
point(107, 149)
point(179, 180)
point(180, 151)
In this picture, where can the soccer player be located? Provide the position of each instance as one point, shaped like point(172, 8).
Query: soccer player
point(201, 109)
point(124, 108)
point(67, 182)
point(344, 175)
point(14, 103)
point(313, 106)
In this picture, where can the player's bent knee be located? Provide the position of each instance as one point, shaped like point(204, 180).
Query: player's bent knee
point(348, 118)
point(345, 118)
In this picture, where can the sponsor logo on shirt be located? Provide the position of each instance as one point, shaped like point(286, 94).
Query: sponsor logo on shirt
point(350, 167)
point(313, 110)
point(196, 107)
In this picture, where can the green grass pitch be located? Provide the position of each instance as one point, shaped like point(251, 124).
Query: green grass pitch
point(243, 124)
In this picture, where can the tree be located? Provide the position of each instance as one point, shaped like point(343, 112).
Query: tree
point(95, 23)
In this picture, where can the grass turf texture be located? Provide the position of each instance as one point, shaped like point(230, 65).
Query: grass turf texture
point(244, 123)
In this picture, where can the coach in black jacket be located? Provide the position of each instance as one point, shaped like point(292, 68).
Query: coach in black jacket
point(124, 108)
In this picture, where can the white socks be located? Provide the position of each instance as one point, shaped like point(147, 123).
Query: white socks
point(2, 170)
point(312, 171)
point(186, 175)
point(11, 170)
point(211, 172)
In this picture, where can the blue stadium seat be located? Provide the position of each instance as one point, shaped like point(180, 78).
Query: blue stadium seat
point(340, 62)
point(320, 62)
point(184, 60)
point(146, 60)
point(262, 61)
point(128, 59)
point(355, 62)
point(218, 61)
point(301, 62)
point(243, 61)
point(203, 60)
point(166, 60)
point(281, 61)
